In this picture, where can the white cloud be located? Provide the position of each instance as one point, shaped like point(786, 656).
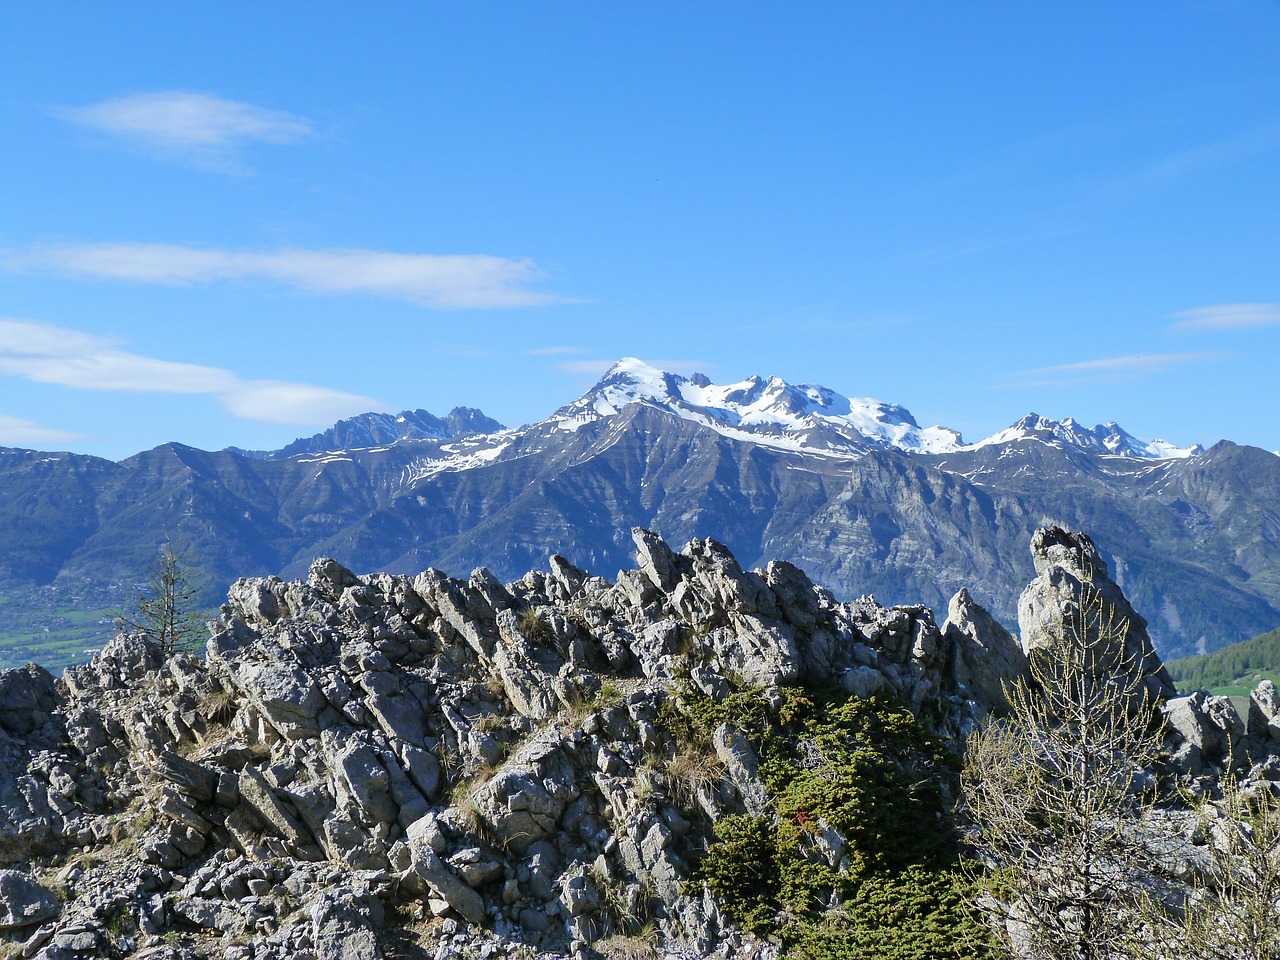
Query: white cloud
point(1229, 316)
point(15, 432)
point(554, 351)
point(69, 358)
point(442, 281)
point(598, 368)
point(199, 128)
point(1109, 369)
point(278, 401)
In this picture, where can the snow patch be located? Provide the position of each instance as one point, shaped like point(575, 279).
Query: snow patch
point(801, 418)
point(1107, 439)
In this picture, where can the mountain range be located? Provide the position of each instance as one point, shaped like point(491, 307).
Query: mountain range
point(853, 490)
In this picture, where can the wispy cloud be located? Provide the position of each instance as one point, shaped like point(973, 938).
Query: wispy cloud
point(16, 432)
point(960, 249)
point(554, 351)
point(201, 129)
point(1229, 316)
point(598, 368)
point(48, 354)
point(1260, 140)
point(1108, 369)
point(441, 281)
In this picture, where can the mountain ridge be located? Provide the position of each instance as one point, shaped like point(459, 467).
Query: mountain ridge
point(374, 429)
point(770, 469)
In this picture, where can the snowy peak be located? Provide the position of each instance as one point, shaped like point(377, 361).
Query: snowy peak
point(381, 429)
point(769, 411)
point(1108, 439)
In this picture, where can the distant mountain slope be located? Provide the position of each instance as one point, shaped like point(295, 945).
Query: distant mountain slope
point(855, 491)
point(1240, 662)
point(1106, 438)
point(377, 429)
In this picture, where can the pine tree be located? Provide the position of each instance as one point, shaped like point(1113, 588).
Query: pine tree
point(166, 609)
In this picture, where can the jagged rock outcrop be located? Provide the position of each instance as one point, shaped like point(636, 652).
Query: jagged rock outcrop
point(477, 765)
point(1073, 593)
point(987, 658)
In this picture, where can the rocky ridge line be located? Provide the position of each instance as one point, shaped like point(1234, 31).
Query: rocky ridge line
point(425, 766)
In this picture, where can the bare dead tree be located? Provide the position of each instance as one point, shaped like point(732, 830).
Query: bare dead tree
point(1055, 790)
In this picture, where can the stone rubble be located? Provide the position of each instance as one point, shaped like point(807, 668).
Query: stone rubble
point(381, 766)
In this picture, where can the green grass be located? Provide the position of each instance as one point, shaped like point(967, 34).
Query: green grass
point(1243, 686)
point(55, 636)
point(1231, 671)
point(57, 646)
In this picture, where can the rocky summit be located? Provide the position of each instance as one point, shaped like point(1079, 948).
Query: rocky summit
point(423, 766)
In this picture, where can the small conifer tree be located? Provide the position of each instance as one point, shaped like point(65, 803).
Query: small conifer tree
point(166, 609)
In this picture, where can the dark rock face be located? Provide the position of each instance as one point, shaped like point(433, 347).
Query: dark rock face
point(356, 750)
point(379, 429)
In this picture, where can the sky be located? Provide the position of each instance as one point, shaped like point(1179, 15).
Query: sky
point(233, 223)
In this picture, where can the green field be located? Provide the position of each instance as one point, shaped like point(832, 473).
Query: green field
point(1243, 686)
point(54, 626)
point(1233, 671)
point(56, 639)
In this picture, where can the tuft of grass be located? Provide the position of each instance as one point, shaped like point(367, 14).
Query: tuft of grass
point(533, 628)
point(609, 695)
point(494, 686)
point(691, 772)
point(220, 707)
point(640, 945)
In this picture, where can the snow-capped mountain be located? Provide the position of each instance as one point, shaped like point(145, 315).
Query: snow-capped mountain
point(853, 489)
point(808, 418)
point(1107, 439)
point(379, 429)
point(801, 417)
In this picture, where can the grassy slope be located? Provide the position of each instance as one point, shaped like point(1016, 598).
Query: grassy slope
point(54, 626)
point(1233, 670)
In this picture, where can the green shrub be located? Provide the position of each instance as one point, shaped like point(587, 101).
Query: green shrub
point(741, 869)
point(919, 914)
point(865, 768)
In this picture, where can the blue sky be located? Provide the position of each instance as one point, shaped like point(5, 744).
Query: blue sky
point(233, 223)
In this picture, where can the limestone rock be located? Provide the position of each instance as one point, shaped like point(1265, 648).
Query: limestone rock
point(1264, 712)
point(1210, 731)
point(283, 693)
point(742, 766)
point(1069, 569)
point(24, 902)
point(986, 658)
point(344, 926)
point(194, 779)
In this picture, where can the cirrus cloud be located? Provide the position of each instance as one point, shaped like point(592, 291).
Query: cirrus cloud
point(16, 432)
point(1229, 316)
point(1109, 369)
point(440, 281)
point(56, 355)
point(201, 129)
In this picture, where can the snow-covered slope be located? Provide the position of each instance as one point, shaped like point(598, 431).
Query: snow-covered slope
point(802, 418)
point(1106, 439)
point(771, 412)
point(370, 430)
